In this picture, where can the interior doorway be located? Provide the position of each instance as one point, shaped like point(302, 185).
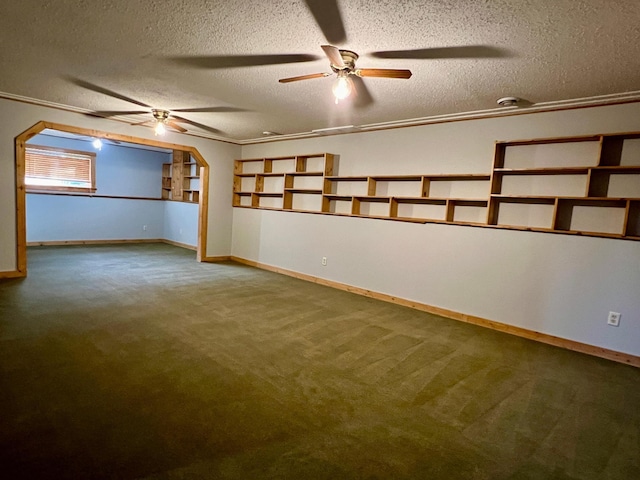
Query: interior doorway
point(197, 195)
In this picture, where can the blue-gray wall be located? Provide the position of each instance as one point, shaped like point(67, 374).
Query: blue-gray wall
point(120, 171)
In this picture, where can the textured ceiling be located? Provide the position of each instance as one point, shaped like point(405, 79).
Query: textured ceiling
point(155, 52)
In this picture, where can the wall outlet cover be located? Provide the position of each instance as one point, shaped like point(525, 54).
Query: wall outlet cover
point(613, 319)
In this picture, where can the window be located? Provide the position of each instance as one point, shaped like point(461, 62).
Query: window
point(48, 168)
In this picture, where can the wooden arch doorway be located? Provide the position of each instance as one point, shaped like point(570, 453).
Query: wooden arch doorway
point(21, 214)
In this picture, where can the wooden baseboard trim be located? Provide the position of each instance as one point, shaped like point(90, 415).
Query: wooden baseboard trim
point(12, 274)
point(110, 242)
point(178, 244)
point(215, 259)
point(91, 242)
point(613, 355)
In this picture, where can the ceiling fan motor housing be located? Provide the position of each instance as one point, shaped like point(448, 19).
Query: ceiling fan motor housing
point(349, 58)
point(160, 115)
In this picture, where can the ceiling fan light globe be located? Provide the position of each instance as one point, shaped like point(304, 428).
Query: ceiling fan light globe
point(160, 129)
point(342, 87)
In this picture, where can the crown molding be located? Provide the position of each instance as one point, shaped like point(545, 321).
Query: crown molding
point(85, 111)
point(595, 101)
point(585, 102)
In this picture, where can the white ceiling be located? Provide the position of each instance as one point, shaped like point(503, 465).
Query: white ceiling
point(66, 51)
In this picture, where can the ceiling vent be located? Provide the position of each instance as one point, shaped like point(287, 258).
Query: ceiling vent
point(508, 101)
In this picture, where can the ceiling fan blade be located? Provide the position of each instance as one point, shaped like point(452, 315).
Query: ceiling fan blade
point(208, 109)
point(383, 73)
point(469, 51)
point(196, 124)
point(142, 123)
point(105, 91)
point(333, 54)
point(363, 96)
point(175, 126)
point(113, 113)
point(231, 61)
point(328, 18)
point(304, 77)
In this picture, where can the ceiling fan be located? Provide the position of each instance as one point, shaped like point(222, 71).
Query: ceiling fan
point(343, 64)
point(162, 118)
point(327, 15)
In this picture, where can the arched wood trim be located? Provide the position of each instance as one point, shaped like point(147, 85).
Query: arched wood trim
point(21, 212)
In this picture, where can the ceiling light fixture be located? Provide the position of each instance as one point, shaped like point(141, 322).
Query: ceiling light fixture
point(161, 117)
point(343, 86)
point(159, 128)
point(97, 144)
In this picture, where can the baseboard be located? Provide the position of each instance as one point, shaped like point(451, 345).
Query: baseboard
point(12, 274)
point(620, 357)
point(110, 242)
point(178, 244)
point(220, 258)
point(91, 242)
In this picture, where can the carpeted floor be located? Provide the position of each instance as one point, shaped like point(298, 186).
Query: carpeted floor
point(124, 362)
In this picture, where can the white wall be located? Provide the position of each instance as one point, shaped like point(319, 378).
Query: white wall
point(16, 117)
point(557, 284)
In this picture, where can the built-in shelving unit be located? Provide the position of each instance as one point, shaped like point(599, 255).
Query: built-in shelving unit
point(588, 185)
point(181, 178)
point(425, 198)
point(306, 183)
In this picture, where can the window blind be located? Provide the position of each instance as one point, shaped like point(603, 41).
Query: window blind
point(53, 167)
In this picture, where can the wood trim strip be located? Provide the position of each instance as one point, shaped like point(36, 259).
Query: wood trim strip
point(215, 259)
point(29, 192)
point(203, 204)
point(113, 242)
point(567, 344)
point(54, 243)
point(444, 222)
point(111, 136)
point(20, 141)
point(21, 205)
point(11, 274)
point(178, 244)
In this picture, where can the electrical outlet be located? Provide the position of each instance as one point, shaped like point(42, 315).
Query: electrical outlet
point(144, 227)
point(613, 319)
point(324, 261)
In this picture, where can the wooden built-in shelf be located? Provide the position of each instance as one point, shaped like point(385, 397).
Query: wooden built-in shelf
point(262, 182)
point(309, 191)
point(180, 178)
point(541, 171)
point(588, 185)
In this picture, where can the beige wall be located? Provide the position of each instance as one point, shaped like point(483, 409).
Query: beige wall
point(557, 284)
point(16, 117)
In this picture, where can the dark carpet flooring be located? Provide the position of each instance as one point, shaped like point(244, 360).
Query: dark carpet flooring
point(124, 362)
